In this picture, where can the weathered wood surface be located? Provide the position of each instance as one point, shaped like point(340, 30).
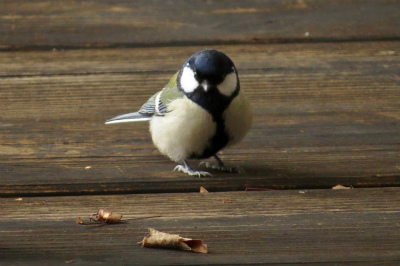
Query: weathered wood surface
point(327, 227)
point(47, 24)
point(325, 114)
point(327, 111)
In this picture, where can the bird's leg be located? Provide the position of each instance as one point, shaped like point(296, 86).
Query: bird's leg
point(186, 169)
point(221, 166)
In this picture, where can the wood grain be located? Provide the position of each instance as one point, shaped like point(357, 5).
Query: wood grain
point(273, 227)
point(48, 24)
point(323, 79)
point(325, 114)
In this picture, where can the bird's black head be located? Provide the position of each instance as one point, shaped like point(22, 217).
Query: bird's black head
point(209, 78)
point(211, 66)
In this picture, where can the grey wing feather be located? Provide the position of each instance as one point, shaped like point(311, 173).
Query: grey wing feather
point(153, 106)
point(156, 105)
point(131, 117)
point(149, 106)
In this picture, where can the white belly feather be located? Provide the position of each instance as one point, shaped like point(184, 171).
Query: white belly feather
point(188, 128)
point(185, 130)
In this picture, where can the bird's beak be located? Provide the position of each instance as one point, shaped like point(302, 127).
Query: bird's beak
point(206, 85)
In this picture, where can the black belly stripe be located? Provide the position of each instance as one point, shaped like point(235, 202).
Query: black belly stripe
point(216, 143)
point(215, 103)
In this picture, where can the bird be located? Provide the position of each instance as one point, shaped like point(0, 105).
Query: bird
point(201, 111)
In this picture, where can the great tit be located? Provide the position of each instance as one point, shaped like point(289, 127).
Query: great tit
point(199, 112)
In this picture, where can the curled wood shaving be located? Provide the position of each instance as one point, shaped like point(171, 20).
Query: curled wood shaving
point(165, 240)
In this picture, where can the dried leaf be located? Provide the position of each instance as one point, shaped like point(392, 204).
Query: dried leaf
point(159, 239)
point(227, 201)
point(341, 187)
point(106, 217)
point(79, 221)
point(203, 190)
point(69, 261)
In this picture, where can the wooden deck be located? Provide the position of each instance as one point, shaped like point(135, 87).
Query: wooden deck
point(323, 79)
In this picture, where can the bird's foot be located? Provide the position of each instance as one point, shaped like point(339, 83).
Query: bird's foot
point(186, 169)
point(221, 167)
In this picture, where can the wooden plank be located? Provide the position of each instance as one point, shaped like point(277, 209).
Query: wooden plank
point(47, 24)
point(272, 227)
point(325, 114)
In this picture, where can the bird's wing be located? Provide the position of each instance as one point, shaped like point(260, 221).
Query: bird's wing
point(156, 105)
point(131, 117)
point(149, 108)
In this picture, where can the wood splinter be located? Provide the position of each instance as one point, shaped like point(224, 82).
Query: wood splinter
point(159, 239)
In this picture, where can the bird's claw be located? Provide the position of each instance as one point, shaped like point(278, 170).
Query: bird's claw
point(190, 172)
point(223, 168)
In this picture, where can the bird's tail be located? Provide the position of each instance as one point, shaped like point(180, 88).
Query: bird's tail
point(131, 117)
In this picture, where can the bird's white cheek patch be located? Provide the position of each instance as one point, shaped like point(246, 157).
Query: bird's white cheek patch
point(228, 86)
point(188, 82)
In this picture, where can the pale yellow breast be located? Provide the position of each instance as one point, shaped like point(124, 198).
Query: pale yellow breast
point(185, 130)
point(238, 118)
